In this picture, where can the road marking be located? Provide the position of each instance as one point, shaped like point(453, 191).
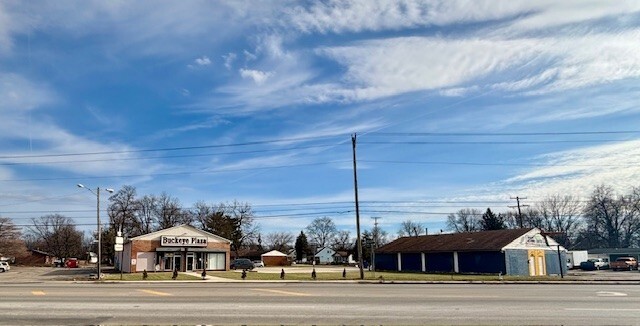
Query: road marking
point(602, 309)
point(611, 294)
point(283, 292)
point(38, 293)
point(155, 292)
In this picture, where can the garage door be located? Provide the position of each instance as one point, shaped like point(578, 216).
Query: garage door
point(216, 261)
point(144, 260)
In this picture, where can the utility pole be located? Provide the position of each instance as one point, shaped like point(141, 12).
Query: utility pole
point(355, 187)
point(374, 244)
point(519, 212)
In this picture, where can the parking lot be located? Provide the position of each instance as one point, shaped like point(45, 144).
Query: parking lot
point(19, 274)
point(605, 275)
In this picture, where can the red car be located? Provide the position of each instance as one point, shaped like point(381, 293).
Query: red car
point(71, 262)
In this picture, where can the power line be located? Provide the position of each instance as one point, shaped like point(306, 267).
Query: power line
point(174, 173)
point(165, 157)
point(496, 164)
point(273, 141)
point(502, 133)
point(489, 142)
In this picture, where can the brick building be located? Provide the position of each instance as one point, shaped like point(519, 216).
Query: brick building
point(181, 247)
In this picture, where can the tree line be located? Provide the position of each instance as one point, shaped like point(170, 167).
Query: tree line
point(605, 220)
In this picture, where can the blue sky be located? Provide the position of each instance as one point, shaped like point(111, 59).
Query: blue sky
point(456, 104)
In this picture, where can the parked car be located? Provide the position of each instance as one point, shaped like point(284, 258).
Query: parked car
point(624, 263)
point(595, 263)
point(71, 263)
point(4, 266)
point(242, 263)
point(258, 263)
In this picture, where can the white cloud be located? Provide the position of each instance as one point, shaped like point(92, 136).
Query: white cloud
point(258, 77)
point(203, 61)
point(229, 59)
point(399, 65)
point(578, 171)
point(339, 16)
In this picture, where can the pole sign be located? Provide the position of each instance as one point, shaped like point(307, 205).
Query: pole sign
point(117, 247)
point(183, 241)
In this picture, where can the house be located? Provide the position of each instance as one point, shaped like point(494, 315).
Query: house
point(183, 248)
point(508, 252)
point(292, 255)
point(275, 258)
point(343, 257)
point(35, 257)
point(324, 256)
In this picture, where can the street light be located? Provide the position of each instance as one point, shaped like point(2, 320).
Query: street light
point(97, 194)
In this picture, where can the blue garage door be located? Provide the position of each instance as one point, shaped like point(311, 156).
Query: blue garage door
point(411, 262)
point(440, 262)
point(483, 262)
point(386, 262)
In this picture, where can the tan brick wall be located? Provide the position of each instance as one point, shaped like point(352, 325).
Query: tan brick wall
point(151, 246)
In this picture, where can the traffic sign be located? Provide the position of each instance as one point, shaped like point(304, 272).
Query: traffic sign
point(117, 247)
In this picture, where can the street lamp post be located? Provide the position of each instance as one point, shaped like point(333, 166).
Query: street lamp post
point(97, 194)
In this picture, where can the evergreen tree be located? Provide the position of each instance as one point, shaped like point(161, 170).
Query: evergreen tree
point(302, 245)
point(491, 221)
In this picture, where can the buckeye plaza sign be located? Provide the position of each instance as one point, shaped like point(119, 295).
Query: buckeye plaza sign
point(183, 241)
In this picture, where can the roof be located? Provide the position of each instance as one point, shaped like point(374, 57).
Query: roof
point(179, 229)
point(274, 253)
point(467, 241)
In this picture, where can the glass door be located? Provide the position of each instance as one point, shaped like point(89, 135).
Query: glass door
point(190, 261)
point(177, 262)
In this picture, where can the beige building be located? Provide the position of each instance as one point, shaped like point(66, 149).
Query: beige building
point(181, 247)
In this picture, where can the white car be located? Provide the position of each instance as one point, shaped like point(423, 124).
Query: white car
point(258, 263)
point(4, 266)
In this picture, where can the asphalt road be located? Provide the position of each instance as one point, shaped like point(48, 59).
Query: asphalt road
point(66, 303)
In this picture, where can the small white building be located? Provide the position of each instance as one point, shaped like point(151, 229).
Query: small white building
point(324, 256)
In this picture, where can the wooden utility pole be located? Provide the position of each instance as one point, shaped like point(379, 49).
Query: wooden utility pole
point(355, 187)
point(519, 212)
point(374, 245)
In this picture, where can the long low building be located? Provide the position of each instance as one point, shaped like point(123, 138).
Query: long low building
point(506, 252)
point(182, 247)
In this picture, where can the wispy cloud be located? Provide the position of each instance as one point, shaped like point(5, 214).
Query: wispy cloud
point(258, 77)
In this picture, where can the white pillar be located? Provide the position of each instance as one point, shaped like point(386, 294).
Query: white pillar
point(399, 262)
point(424, 262)
point(456, 269)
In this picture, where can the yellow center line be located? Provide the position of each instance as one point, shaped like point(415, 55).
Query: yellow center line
point(155, 292)
point(283, 292)
point(38, 292)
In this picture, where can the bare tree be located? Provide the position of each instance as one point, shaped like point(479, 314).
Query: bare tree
point(465, 220)
point(240, 221)
point(410, 228)
point(560, 214)
point(58, 234)
point(169, 213)
point(321, 231)
point(612, 219)
point(122, 209)
point(11, 244)
point(145, 215)
point(342, 241)
point(280, 241)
